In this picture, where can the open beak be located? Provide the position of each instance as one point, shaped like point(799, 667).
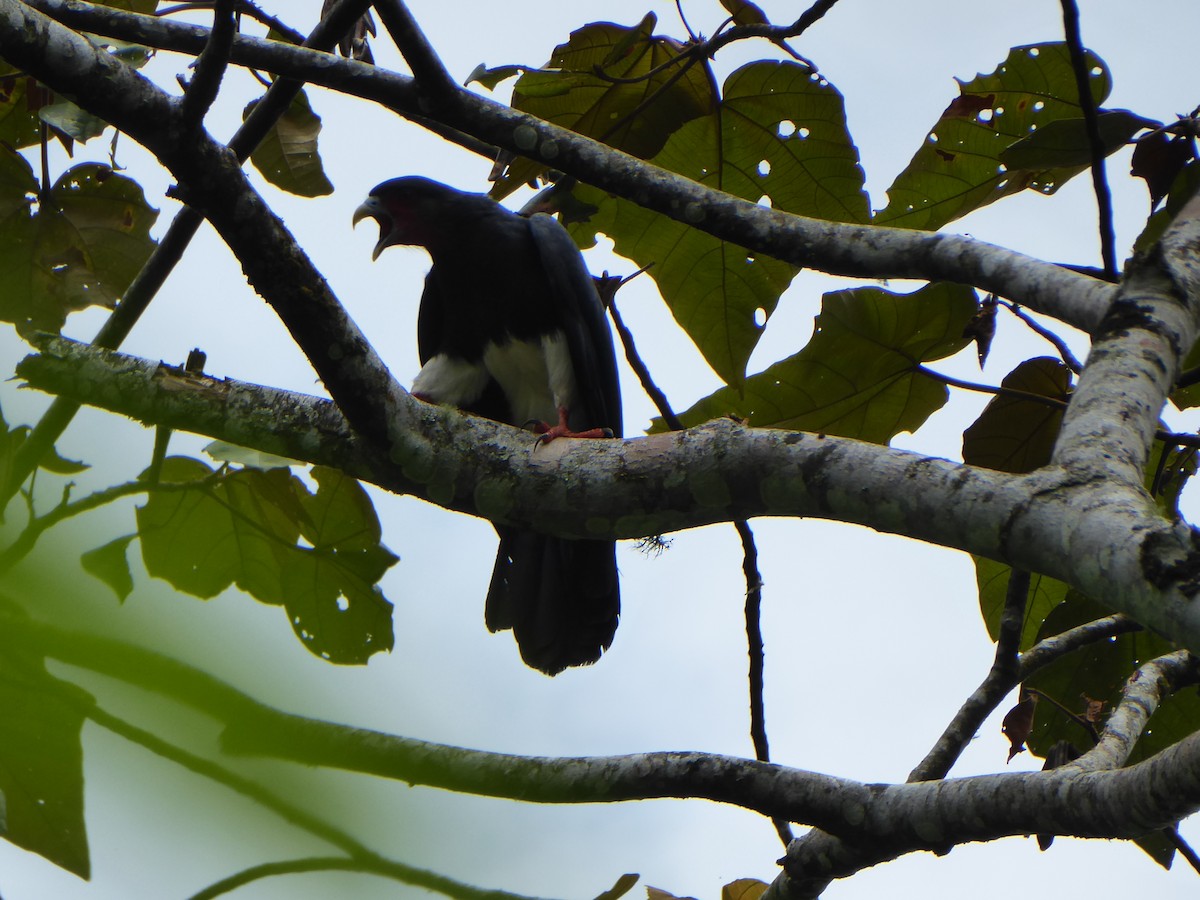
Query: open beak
point(371, 208)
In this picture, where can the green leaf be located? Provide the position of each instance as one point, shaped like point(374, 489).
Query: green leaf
point(258, 459)
point(76, 123)
point(860, 374)
point(636, 116)
point(490, 78)
point(1185, 186)
point(110, 564)
point(288, 157)
point(778, 138)
point(317, 556)
point(18, 186)
point(744, 12)
point(1045, 594)
point(41, 763)
point(958, 168)
point(1015, 433)
point(20, 97)
point(43, 266)
point(60, 465)
point(1064, 143)
point(1099, 671)
point(146, 7)
point(112, 219)
point(84, 245)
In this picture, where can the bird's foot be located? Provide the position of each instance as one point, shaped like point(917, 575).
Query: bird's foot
point(546, 433)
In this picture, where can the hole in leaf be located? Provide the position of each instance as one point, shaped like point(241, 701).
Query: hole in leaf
point(760, 317)
point(786, 128)
point(764, 167)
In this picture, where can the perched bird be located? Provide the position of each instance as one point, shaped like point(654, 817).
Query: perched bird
point(510, 327)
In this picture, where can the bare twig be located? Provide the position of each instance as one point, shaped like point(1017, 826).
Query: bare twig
point(1059, 344)
point(753, 609)
point(1004, 675)
point(244, 8)
point(1108, 240)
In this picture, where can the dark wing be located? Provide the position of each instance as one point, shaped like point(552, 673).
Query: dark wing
point(583, 322)
point(435, 334)
point(430, 317)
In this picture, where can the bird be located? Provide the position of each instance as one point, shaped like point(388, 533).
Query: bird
point(510, 327)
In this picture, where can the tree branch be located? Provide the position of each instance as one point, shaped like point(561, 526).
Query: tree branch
point(810, 866)
point(718, 472)
point(210, 65)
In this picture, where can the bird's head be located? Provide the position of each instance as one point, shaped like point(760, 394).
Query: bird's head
point(409, 210)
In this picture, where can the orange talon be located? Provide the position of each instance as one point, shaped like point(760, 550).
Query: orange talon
point(547, 433)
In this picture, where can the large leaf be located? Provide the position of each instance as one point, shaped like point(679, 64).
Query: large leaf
point(958, 168)
point(41, 763)
point(82, 247)
point(288, 157)
point(20, 98)
point(317, 556)
point(860, 374)
point(1098, 672)
point(1045, 594)
point(1016, 432)
point(600, 84)
point(1064, 143)
point(779, 137)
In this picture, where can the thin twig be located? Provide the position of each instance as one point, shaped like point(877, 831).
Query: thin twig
point(1003, 676)
point(992, 389)
point(753, 608)
point(1068, 358)
point(244, 8)
point(1108, 240)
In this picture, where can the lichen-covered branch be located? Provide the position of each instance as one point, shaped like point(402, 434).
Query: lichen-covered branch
point(719, 472)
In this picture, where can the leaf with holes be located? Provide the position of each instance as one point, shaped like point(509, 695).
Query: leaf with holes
point(779, 138)
point(317, 556)
point(600, 84)
point(1100, 670)
point(958, 168)
point(860, 375)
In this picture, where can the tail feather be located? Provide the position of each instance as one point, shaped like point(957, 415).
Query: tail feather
point(560, 597)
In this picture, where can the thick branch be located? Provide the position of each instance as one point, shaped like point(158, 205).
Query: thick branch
point(832, 247)
point(719, 472)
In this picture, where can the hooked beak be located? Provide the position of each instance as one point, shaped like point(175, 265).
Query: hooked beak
point(371, 208)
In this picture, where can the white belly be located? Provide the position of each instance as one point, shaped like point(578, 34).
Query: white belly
point(537, 378)
point(446, 379)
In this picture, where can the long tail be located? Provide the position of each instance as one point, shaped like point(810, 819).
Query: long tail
point(561, 598)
